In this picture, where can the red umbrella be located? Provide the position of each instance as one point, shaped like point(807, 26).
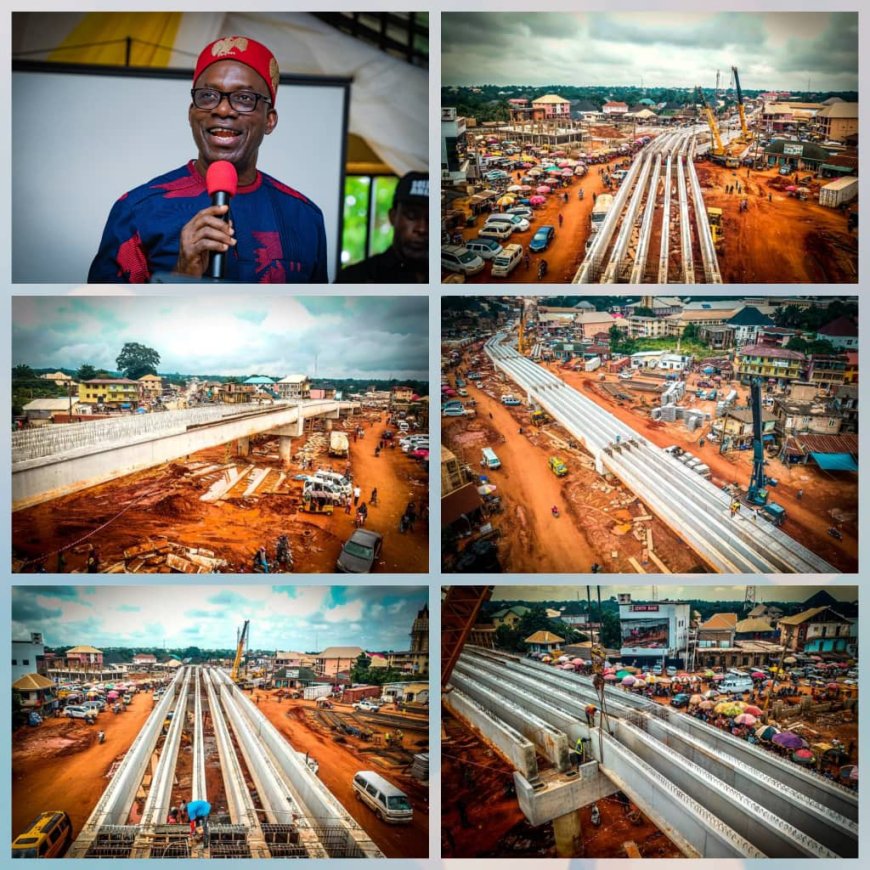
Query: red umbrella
point(753, 710)
point(833, 686)
point(542, 189)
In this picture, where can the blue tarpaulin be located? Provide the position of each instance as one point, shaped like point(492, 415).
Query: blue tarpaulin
point(768, 437)
point(835, 461)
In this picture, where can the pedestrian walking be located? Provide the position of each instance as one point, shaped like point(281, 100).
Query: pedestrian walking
point(357, 492)
point(800, 494)
point(770, 197)
point(347, 504)
point(560, 220)
point(373, 498)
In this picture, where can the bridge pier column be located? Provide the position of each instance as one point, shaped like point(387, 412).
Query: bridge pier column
point(327, 424)
point(285, 444)
point(568, 834)
point(243, 446)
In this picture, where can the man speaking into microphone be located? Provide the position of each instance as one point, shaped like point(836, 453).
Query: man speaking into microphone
point(267, 234)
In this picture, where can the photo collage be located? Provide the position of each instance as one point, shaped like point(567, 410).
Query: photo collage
point(172, 416)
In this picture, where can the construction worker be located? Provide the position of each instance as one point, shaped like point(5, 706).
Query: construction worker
point(591, 710)
point(198, 813)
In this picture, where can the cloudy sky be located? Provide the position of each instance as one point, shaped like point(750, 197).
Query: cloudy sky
point(678, 593)
point(772, 50)
point(306, 618)
point(352, 336)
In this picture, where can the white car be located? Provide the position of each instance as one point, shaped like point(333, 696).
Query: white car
point(523, 211)
point(367, 706)
point(517, 223)
point(485, 248)
point(455, 258)
point(507, 261)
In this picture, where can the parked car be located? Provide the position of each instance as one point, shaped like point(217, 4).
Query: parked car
point(557, 466)
point(681, 700)
point(517, 223)
point(388, 803)
point(76, 711)
point(507, 261)
point(510, 400)
point(360, 552)
point(485, 248)
point(455, 258)
point(542, 238)
point(47, 836)
point(522, 210)
point(367, 705)
point(496, 231)
point(96, 705)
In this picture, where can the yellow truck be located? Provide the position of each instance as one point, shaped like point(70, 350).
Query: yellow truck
point(557, 466)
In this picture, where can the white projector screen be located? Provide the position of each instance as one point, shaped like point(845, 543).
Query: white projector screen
point(81, 139)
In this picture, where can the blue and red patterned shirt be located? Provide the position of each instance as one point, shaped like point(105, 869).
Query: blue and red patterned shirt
point(280, 234)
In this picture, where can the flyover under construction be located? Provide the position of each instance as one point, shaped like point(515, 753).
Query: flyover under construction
point(693, 507)
point(275, 806)
point(712, 794)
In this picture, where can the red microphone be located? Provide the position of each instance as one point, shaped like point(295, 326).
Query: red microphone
point(221, 181)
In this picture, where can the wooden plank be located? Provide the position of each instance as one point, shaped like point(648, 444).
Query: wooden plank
point(636, 565)
point(631, 850)
point(659, 564)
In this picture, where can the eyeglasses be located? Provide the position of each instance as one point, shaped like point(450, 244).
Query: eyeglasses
point(240, 101)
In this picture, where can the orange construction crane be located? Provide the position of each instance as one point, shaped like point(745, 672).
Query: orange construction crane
point(460, 608)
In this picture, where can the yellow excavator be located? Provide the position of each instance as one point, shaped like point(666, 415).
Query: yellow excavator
point(241, 640)
point(718, 150)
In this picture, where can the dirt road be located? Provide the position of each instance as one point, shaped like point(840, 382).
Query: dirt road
point(339, 762)
point(164, 502)
point(60, 766)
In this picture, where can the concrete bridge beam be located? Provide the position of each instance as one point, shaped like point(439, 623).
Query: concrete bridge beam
point(557, 795)
point(516, 749)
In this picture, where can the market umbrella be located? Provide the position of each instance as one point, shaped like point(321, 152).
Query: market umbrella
point(524, 188)
point(728, 708)
point(789, 740)
point(766, 732)
point(791, 188)
point(543, 188)
point(849, 771)
point(623, 672)
point(757, 675)
point(664, 681)
point(789, 660)
point(639, 682)
point(563, 659)
point(629, 669)
point(628, 680)
point(650, 678)
point(708, 370)
point(507, 199)
point(537, 200)
point(755, 711)
point(706, 705)
point(696, 699)
point(711, 693)
point(816, 658)
point(610, 678)
point(515, 188)
point(535, 171)
point(745, 719)
point(578, 661)
point(487, 489)
point(709, 674)
point(552, 170)
point(803, 756)
point(112, 696)
point(833, 686)
point(546, 659)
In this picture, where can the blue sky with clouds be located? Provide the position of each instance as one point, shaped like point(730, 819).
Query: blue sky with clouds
point(351, 336)
point(307, 618)
point(772, 50)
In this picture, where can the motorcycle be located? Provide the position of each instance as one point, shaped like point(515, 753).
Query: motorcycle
point(835, 533)
point(555, 511)
point(542, 269)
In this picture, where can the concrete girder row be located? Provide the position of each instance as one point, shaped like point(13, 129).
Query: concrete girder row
point(519, 751)
point(712, 275)
point(686, 254)
point(789, 798)
point(114, 804)
point(666, 227)
point(840, 803)
point(550, 742)
point(639, 267)
point(298, 783)
point(198, 791)
point(807, 816)
point(769, 833)
point(694, 508)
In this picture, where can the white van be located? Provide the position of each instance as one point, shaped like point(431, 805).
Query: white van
point(389, 803)
point(735, 685)
point(489, 459)
point(334, 478)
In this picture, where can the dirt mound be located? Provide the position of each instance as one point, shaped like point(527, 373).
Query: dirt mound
point(42, 744)
point(177, 505)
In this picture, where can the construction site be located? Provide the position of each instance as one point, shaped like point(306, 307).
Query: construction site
point(571, 749)
point(713, 187)
point(276, 760)
point(210, 510)
point(565, 455)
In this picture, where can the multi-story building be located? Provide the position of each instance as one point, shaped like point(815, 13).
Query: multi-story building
point(825, 371)
point(747, 323)
point(842, 333)
point(509, 616)
point(796, 418)
point(150, 387)
point(639, 326)
point(109, 391)
point(454, 473)
point(773, 363)
point(655, 631)
point(236, 394)
point(59, 378)
point(293, 387)
point(552, 106)
point(819, 629)
point(718, 630)
point(335, 659)
point(734, 428)
point(837, 121)
point(28, 656)
point(454, 147)
point(615, 108)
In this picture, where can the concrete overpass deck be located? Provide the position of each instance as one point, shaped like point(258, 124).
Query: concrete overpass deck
point(713, 794)
point(58, 460)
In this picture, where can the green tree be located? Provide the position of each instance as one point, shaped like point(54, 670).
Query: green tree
point(86, 372)
point(690, 333)
point(610, 634)
point(136, 360)
point(807, 345)
point(640, 311)
point(359, 673)
point(23, 372)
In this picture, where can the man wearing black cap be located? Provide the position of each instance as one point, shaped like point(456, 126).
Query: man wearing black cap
point(406, 261)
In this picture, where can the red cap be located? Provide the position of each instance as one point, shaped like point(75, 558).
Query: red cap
point(221, 175)
point(246, 51)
